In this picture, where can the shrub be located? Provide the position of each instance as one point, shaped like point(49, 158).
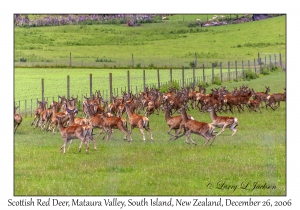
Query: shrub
point(138, 65)
point(250, 75)
point(204, 84)
point(265, 71)
point(217, 81)
point(165, 87)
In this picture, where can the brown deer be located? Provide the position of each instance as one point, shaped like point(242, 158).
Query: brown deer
point(223, 121)
point(88, 129)
point(37, 112)
point(71, 132)
point(17, 119)
point(54, 122)
point(95, 119)
point(112, 122)
point(45, 118)
point(276, 98)
point(136, 120)
point(262, 96)
point(172, 121)
point(203, 129)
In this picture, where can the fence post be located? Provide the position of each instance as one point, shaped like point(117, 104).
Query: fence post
point(243, 71)
point(236, 71)
point(158, 79)
point(248, 64)
point(91, 84)
point(182, 72)
point(203, 73)
point(254, 66)
point(195, 62)
point(68, 86)
point(42, 89)
point(221, 74)
point(275, 59)
point(132, 61)
point(110, 87)
point(128, 81)
point(280, 60)
point(70, 61)
point(213, 74)
point(194, 77)
point(144, 79)
point(228, 70)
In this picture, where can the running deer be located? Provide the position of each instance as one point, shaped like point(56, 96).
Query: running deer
point(136, 120)
point(203, 129)
point(17, 119)
point(95, 119)
point(71, 132)
point(276, 98)
point(88, 129)
point(172, 121)
point(223, 121)
point(112, 122)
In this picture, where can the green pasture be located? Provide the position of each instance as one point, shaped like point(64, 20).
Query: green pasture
point(164, 44)
point(252, 162)
point(255, 154)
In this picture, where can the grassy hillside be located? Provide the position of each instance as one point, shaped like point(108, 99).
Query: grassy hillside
point(165, 42)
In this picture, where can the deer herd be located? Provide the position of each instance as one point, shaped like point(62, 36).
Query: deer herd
point(135, 110)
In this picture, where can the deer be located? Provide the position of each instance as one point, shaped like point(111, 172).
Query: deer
point(71, 132)
point(54, 121)
point(17, 119)
point(203, 129)
point(114, 122)
point(136, 120)
point(223, 121)
point(172, 121)
point(95, 119)
point(88, 129)
point(276, 98)
point(45, 118)
point(37, 112)
point(262, 96)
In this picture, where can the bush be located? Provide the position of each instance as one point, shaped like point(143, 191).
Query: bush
point(165, 87)
point(204, 84)
point(250, 75)
point(265, 71)
point(217, 81)
point(138, 65)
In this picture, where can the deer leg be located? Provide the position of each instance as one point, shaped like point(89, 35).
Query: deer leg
point(142, 131)
point(223, 129)
point(149, 130)
point(207, 140)
point(70, 143)
point(213, 140)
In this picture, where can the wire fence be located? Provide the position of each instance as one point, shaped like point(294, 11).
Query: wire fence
point(198, 74)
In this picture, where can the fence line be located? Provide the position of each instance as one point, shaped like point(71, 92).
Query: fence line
point(234, 72)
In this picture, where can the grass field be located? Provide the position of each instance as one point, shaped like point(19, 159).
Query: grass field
point(253, 162)
point(169, 43)
point(256, 154)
